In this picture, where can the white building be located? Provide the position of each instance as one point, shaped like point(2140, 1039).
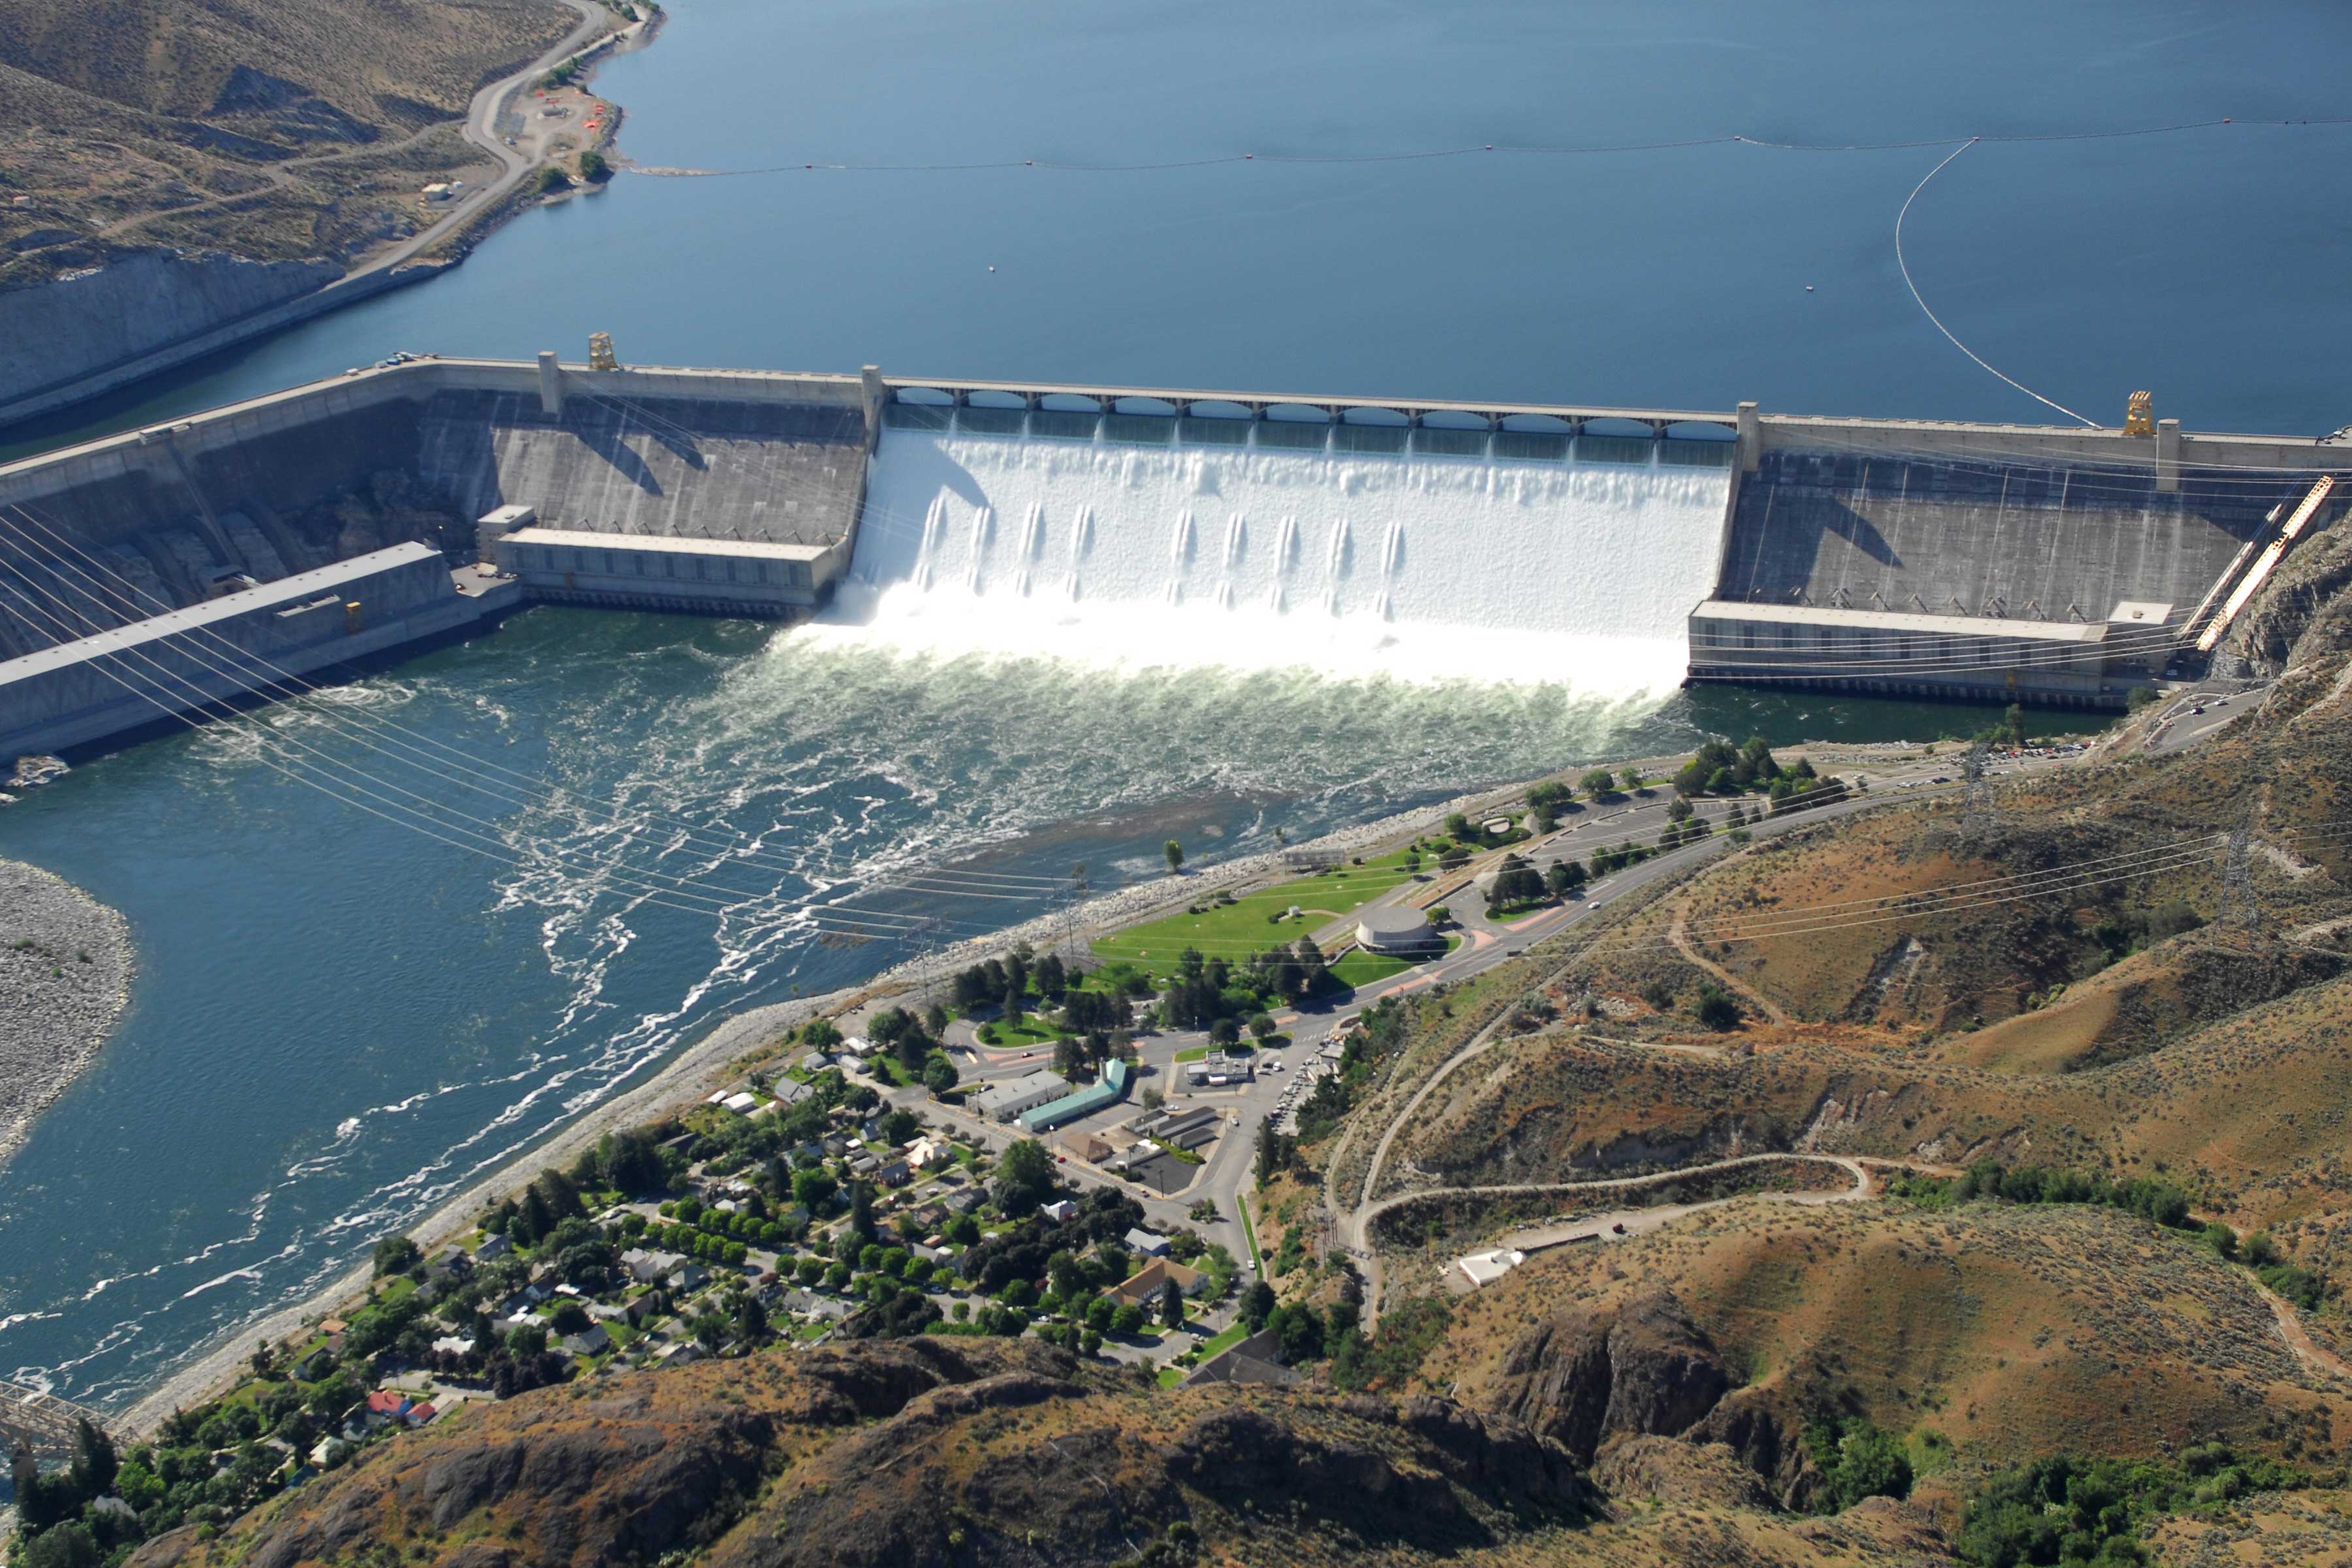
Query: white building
point(1007, 1100)
point(1485, 1268)
point(1393, 929)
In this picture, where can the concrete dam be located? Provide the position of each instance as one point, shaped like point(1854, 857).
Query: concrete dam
point(149, 574)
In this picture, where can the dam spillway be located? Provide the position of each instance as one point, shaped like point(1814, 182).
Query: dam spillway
point(1617, 549)
point(1351, 561)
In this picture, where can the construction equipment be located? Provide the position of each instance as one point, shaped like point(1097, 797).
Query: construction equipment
point(600, 353)
point(2139, 416)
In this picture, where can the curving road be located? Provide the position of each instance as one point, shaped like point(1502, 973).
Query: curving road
point(481, 128)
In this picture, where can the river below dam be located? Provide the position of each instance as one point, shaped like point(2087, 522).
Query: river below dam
point(336, 1021)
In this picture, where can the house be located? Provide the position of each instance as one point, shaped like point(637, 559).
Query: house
point(633, 1311)
point(1150, 1243)
point(964, 1202)
point(836, 1145)
point(1059, 1211)
point(679, 1355)
point(647, 1266)
point(1091, 1147)
point(329, 1451)
point(788, 1093)
point(422, 1415)
point(865, 1165)
point(1139, 1288)
point(589, 1342)
point(895, 1174)
point(1257, 1359)
point(493, 1247)
point(691, 1278)
point(742, 1105)
point(384, 1406)
point(925, 1152)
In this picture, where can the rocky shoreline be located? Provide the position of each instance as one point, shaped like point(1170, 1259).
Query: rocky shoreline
point(65, 978)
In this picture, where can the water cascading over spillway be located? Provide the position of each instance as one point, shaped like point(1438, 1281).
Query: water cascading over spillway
point(1360, 563)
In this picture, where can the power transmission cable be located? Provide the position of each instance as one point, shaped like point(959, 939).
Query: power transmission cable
point(293, 685)
point(668, 889)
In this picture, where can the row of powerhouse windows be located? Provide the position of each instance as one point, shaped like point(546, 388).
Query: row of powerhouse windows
point(661, 566)
point(1900, 646)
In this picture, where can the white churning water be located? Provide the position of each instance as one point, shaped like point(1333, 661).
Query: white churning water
point(1355, 565)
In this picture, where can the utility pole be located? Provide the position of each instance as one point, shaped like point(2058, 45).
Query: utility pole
point(2238, 906)
point(1975, 802)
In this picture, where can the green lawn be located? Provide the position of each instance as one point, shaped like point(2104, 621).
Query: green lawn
point(1224, 1339)
point(1025, 1035)
point(1249, 1231)
point(1357, 967)
point(1234, 930)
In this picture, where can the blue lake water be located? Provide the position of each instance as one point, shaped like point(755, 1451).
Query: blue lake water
point(337, 1021)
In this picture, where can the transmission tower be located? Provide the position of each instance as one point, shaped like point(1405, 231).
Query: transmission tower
point(1976, 802)
point(2238, 906)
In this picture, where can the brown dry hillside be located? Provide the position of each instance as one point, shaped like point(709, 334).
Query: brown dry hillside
point(930, 1453)
point(1994, 1332)
point(115, 112)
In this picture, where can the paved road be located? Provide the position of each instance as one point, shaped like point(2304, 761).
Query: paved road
point(481, 129)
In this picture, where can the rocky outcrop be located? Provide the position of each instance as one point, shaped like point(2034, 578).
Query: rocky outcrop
point(87, 320)
point(1639, 1368)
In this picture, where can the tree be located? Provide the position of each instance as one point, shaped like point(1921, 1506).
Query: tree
point(1025, 1177)
point(1563, 876)
point(861, 1210)
point(1716, 1009)
point(1257, 1305)
point(1261, 1026)
point(1171, 1305)
point(68, 1545)
point(939, 1075)
point(2015, 720)
point(1680, 810)
point(813, 1189)
point(1127, 1318)
point(1631, 778)
point(1457, 828)
point(593, 168)
point(820, 1034)
point(1546, 801)
point(1174, 852)
point(1598, 783)
point(1053, 978)
point(396, 1255)
point(95, 1464)
point(1298, 1331)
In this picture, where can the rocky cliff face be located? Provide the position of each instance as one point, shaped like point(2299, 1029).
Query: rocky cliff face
point(88, 319)
point(1590, 1375)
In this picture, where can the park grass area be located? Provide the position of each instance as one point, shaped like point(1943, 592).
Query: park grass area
point(1026, 1035)
point(1356, 968)
point(1252, 922)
